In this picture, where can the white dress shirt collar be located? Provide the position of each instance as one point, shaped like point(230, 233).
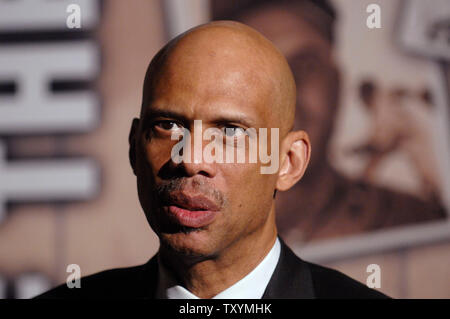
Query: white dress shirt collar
point(252, 286)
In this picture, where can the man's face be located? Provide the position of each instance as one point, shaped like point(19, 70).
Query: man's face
point(310, 57)
point(222, 92)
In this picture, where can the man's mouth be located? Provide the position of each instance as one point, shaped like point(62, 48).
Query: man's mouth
point(193, 211)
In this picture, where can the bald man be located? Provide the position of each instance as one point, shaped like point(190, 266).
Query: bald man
point(216, 219)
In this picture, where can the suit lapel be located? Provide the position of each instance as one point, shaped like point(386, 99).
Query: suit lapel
point(291, 278)
point(149, 278)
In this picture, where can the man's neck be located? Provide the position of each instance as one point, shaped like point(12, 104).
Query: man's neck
point(208, 277)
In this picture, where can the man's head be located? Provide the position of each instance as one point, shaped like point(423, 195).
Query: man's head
point(228, 76)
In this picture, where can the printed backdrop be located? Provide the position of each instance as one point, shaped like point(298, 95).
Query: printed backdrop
point(374, 101)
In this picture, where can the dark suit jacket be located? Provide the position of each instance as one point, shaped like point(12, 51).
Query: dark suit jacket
point(293, 278)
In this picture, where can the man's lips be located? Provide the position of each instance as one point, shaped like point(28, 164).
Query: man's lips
point(191, 210)
point(192, 218)
point(191, 202)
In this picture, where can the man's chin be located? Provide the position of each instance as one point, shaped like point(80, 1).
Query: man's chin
point(189, 242)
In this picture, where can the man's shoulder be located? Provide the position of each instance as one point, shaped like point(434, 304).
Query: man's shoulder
point(296, 278)
point(330, 283)
point(129, 282)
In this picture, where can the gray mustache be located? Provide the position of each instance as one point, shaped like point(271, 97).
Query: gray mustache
point(192, 186)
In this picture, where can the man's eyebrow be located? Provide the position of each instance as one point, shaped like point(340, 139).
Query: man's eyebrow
point(155, 113)
point(220, 119)
point(234, 118)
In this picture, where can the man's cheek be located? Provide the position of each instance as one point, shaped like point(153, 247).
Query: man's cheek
point(157, 154)
point(248, 182)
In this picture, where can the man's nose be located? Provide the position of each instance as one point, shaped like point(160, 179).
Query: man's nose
point(202, 168)
point(193, 162)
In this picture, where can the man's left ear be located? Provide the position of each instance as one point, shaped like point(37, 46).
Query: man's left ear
point(295, 154)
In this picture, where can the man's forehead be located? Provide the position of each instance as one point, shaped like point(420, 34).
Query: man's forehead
point(215, 78)
point(214, 87)
point(213, 104)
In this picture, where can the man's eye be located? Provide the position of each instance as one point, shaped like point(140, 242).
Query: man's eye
point(233, 131)
point(167, 125)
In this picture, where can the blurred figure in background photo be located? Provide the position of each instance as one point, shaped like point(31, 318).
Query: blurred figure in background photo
point(326, 204)
point(411, 134)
